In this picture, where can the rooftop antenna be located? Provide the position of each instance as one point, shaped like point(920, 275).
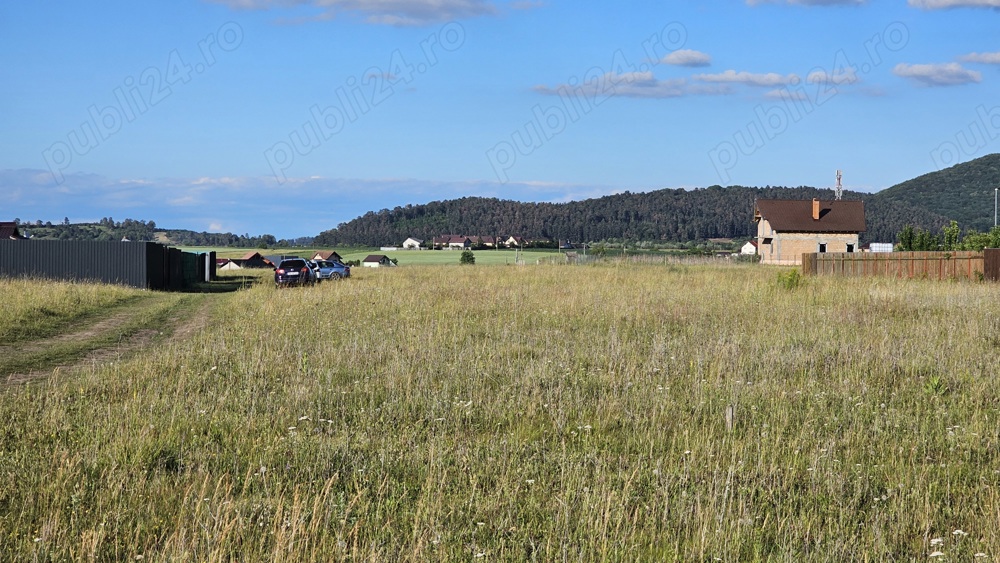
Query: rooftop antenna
point(840, 188)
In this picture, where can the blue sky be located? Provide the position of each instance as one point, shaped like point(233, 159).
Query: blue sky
point(288, 117)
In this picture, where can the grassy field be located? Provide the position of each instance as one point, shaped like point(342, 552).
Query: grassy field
point(521, 414)
point(451, 257)
point(405, 257)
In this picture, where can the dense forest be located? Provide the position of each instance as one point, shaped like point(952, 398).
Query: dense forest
point(662, 215)
point(964, 192)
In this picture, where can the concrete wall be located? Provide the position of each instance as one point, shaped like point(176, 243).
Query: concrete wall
point(786, 249)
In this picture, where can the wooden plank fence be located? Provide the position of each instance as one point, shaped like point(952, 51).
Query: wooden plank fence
point(919, 265)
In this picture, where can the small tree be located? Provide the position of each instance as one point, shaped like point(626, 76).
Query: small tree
point(906, 238)
point(468, 257)
point(951, 236)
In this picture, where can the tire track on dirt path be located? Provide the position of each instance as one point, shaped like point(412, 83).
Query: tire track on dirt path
point(104, 325)
point(137, 328)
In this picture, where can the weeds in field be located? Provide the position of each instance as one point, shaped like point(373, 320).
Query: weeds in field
point(790, 279)
point(527, 413)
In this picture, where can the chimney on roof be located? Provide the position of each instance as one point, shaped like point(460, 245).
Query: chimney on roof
point(815, 209)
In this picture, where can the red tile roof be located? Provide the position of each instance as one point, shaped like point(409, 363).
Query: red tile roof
point(326, 255)
point(795, 216)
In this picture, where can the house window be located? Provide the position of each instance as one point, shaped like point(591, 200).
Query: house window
point(850, 248)
point(822, 247)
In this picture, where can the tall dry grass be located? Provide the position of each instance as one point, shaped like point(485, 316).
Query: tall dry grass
point(528, 413)
point(33, 308)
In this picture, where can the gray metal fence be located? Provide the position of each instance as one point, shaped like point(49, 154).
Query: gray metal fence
point(138, 264)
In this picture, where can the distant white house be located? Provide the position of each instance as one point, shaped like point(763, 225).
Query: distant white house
point(750, 248)
point(376, 261)
point(412, 243)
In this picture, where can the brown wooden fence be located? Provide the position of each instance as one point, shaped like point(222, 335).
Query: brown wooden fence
point(921, 265)
point(991, 264)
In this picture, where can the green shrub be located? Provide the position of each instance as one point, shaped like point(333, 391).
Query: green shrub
point(790, 280)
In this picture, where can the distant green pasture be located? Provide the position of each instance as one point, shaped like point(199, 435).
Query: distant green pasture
point(405, 257)
point(434, 257)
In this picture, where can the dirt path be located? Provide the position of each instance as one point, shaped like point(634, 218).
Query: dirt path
point(121, 334)
point(86, 333)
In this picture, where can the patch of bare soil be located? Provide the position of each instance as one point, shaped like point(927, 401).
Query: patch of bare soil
point(181, 327)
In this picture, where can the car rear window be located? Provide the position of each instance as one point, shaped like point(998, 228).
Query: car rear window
point(292, 264)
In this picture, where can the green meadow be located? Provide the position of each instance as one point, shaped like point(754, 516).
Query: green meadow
point(600, 412)
point(408, 257)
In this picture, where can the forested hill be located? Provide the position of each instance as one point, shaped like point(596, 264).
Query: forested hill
point(964, 192)
point(667, 215)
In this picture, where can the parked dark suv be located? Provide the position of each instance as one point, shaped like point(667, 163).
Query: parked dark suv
point(293, 271)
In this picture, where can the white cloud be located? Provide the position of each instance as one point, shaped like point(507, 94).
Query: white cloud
point(944, 4)
point(385, 12)
point(941, 74)
point(769, 80)
point(687, 57)
point(847, 76)
point(634, 85)
point(984, 58)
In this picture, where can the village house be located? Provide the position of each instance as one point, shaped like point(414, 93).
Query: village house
point(327, 255)
point(255, 260)
point(8, 230)
point(376, 261)
point(489, 242)
point(512, 241)
point(452, 242)
point(227, 264)
point(412, 243)
point(749, 249)
point(787, 229)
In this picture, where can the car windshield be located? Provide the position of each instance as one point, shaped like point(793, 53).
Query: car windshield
point(292, 264)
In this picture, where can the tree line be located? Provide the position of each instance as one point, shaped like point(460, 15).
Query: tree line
point(108, 229)
point(950, 238)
